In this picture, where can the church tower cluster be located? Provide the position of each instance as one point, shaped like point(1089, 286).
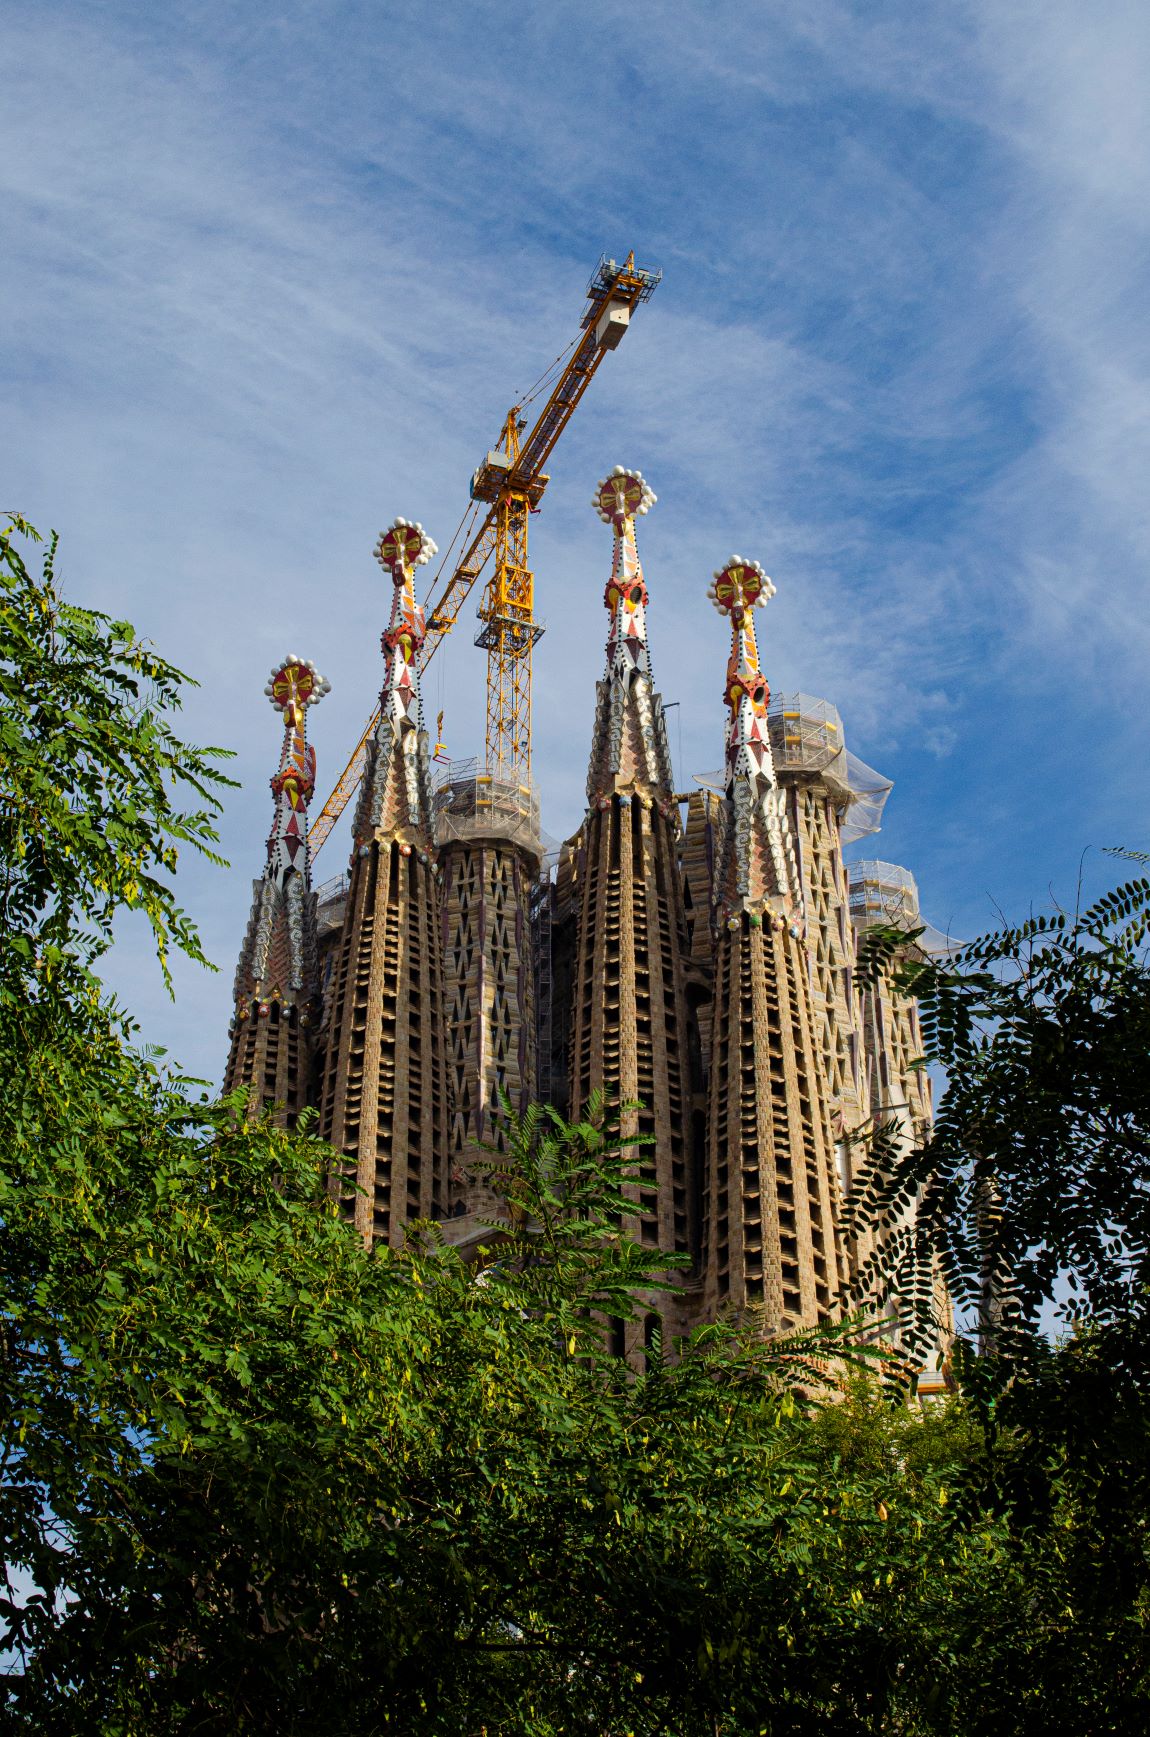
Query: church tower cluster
point(687, 955)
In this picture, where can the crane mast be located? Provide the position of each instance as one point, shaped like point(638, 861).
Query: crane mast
point(510, 483)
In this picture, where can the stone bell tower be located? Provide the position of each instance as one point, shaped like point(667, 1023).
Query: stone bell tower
point(629, 1015)
point(770, 1205)
point(383, 1104)
point(276, 992)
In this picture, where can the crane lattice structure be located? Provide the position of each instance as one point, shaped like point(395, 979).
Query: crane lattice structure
point(510, 483)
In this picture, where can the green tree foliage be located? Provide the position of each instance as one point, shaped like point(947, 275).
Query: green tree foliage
point(1033, 1199)
point(91, 775)
point(1034, 1190)
point(259, 1478)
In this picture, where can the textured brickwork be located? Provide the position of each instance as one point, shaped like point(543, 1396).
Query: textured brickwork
point(630, 1021)
point(629, 1010)
point(273, 1032)
point(898, 1090)
point(770, 1232)
point(771, 1238)
point(894, 1088)
point(486, 917)
point(813, 809)
point(700, 856)
point(384, 1097)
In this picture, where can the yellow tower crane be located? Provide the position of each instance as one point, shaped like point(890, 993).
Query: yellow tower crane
point(510, 483)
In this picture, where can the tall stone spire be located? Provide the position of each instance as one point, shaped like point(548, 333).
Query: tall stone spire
point(396, 793)
point(384, 1097)
point(276, 990)
point(629, 747)
point(630, 1020)
point(770, 1207)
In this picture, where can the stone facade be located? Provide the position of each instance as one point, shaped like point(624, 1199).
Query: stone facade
point(771, 1239)
point(486, 919)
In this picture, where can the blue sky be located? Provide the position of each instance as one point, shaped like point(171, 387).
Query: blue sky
point(273, 274)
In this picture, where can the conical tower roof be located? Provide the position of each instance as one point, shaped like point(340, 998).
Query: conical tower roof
point(276, 988)
point(629, 748)
point(278, 954)
point(396, 795)
point(759, 868)
point(384, 1094)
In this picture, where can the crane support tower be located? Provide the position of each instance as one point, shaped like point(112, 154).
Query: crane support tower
point(510, 483)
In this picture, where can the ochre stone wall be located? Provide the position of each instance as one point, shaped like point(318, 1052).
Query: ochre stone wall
point(770, 1238)
point(629, 1015)
point(486, 924)
point(384, 1098)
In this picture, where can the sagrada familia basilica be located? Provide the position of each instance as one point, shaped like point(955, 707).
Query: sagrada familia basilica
point(689, 954)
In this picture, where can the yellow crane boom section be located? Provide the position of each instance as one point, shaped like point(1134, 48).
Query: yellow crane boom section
point(510, 482)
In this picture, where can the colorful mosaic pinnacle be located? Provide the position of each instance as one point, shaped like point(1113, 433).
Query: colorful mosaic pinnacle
point(630, 739)
point(396, 792)
point(400, 550)
point(293, 686)
point(629, 1013)
point(760, 868)
point(619, 499)
point(276, 991)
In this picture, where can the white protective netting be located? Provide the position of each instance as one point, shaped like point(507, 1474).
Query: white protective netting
point(883, 893)
point(331, 901)
point(470, 802)
point(807, 736)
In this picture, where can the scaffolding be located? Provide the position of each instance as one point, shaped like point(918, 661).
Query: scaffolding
point(881, 893)
point(331, 902)
point(807, 736)
point(472, 803)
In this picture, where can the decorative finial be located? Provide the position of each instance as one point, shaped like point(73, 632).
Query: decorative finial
point(622, 496)
point(737, 586)
point(402, 546)
point(295, 684)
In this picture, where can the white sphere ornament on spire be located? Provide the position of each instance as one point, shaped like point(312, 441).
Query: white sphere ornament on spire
point(295, 683)
point(739, 585)
point(621, 496)
point(402, 546)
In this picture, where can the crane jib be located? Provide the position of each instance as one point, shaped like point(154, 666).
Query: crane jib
point(512, 476)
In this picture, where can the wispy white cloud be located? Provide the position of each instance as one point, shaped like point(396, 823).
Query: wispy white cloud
point(276, 276)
